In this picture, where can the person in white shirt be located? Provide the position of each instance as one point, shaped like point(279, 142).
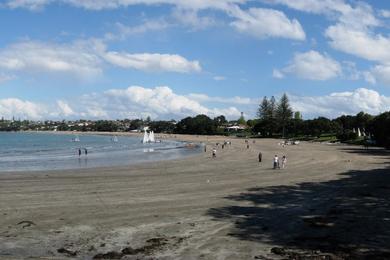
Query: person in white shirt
point(276, 162)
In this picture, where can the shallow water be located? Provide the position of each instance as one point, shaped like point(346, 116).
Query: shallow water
point(45, 151)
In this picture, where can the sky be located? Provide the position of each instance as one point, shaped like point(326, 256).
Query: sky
point(169, 59)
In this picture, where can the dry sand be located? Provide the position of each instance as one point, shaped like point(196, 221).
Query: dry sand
point(331, 201)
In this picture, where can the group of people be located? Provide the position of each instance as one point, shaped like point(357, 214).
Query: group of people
point(277, 162)
point(85, 151)
point(214, 150)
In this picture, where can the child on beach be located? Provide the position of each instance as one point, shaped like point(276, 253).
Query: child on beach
point(214, 153)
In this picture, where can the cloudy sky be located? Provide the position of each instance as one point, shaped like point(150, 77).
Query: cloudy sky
point(109, 59)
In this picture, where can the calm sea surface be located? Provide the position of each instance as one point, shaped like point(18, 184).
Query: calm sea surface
point(45, 151)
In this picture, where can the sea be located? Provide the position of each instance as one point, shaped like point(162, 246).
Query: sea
point(30, 151)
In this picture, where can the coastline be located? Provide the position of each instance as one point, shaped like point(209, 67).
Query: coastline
point(198, 207)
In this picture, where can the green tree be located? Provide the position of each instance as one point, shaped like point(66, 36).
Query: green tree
point(381, 129)
point(263, 110)
point(283, 113)
point(297, 115)
point(241, 120)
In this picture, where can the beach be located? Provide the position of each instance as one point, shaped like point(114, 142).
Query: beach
point(331, 201)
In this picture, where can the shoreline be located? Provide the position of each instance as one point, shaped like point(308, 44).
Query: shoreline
point(179, 138)
point(202, 207)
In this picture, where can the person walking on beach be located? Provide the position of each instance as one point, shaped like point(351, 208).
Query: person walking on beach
point(284, 161)
point(260, 157)
point(79, 152)
point(214, 153)
point(85, 151)
point(205, 148)
point(276, 162)
point(247, 146)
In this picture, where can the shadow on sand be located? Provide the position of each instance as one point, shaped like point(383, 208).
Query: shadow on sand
point(347, 218)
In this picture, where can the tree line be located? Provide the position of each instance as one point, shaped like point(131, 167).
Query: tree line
point(275, 118)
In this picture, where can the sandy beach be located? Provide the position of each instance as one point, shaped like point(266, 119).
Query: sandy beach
point(330, 202)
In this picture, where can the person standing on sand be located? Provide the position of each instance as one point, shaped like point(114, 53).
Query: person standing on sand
point(79, 152)
point(214, 153)
point(205, 148)
point(276, 161)
point(260, 157)
point(284, 161)
point(86, 151)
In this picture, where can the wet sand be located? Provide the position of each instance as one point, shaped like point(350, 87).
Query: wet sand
point(330, 201)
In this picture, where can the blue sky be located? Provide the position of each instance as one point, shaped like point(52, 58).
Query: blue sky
point(108, 59)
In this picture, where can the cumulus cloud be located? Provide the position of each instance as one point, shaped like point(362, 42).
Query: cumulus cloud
point(226, 100)
point(32, 56)
point(153, 62)
point(14, 107)
point(265, 23)
point(311, 65)
point(86, 59)
point(358, 16)
point(381, 73)
point(64, 108)
point(339, 103)
point(162, 101)
point(132, 102)
point(359, 43)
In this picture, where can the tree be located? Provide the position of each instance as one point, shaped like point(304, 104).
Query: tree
point(283, 112)
point(220, 120)
point(241, 120)
point(263, 110)
point(266, 113)
point(297, 115)
point(272, 108)
point(381, 129)
point(201, 124)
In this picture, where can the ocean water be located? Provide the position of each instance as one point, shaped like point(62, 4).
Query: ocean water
point(45, 151)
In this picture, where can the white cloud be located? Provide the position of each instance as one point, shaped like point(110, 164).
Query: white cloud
point(359, 43)
point(112, 4)
point(358, 16)
point(85, 59)
point(339, 103)
point(190, 17)
point(312, 65)
point(381, 73)
point(65, 109)
point(124, 31)
point(264, 23)
point(277, 74)
point(202, 98)
point(158, 102)
point(219, 78)
point(153, 62)
point(385, 13)
point(14, 107)
point(31, 56)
